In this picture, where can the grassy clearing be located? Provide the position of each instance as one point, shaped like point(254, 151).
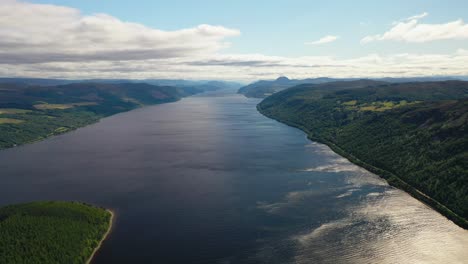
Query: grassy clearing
point(61, 130)
point(52, 106)
point(47, 106)
point(384, 106)
point(10, 121)
point(350, 103)
point(377, 106)
point(368, 108)
point(13, 111)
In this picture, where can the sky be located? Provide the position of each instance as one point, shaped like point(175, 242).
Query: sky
point(232, 40)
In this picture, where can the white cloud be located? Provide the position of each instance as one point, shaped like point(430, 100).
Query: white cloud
point(324, 40)
point(250, 67)
point(462, 52)
point(410, 30)
point(51, 41)
point(38, 33)
point(417, 17)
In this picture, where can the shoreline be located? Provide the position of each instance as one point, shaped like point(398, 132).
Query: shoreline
point(69, 130)
point(390, 178)
point(104, 237)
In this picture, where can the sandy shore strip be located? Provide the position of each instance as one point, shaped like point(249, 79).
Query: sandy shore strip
point(111, 222)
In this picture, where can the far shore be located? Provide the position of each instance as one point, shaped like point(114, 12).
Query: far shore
point(111, 222)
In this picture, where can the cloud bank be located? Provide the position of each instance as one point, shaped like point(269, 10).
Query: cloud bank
point(248, 67)
point(411, 30)
point(50, 41)
point(37, 33)
point(324, 40)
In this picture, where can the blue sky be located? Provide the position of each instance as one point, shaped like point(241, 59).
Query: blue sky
point(282, 28)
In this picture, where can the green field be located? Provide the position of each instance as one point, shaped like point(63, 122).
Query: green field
point(46, 106)
point(413, 134)
point(51, 232)
point(13, 111)
point(376, 106)
point(10, 121)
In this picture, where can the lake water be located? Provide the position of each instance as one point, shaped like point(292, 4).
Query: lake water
point(210, 180)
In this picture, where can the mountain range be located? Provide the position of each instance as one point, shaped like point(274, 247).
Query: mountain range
point(264, 88)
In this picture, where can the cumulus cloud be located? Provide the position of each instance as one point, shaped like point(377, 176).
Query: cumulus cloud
point(324, 40)
point(423, 15)
point(249, 67)
point(38, 33)
point(51, 41)
point(462, 52)
point(411, 30)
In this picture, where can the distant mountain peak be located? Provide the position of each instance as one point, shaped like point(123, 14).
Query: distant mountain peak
point(282, 79)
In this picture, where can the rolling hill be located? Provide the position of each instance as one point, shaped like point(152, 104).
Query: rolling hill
point(261, 89)
point(201, 85)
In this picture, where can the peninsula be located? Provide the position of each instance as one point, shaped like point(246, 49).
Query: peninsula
point(52, 232)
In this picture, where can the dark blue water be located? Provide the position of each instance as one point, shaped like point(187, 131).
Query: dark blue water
point(210, 180)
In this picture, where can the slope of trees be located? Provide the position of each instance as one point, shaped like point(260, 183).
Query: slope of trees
point(413, 134)
point(50, 232)
point(262, 89)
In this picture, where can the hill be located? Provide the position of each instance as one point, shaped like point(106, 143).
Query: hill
point(201, 85)
point(413, 134)
point(317, 91)
point(51, 232)
point(30, 113)
point(261, 89)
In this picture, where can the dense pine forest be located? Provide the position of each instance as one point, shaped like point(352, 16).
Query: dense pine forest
point(413, 134)
point(51, 232)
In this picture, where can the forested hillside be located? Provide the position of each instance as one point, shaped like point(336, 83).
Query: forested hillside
point(51, 232)
point(30, 113)
point(412, 134)
point(262, 89)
